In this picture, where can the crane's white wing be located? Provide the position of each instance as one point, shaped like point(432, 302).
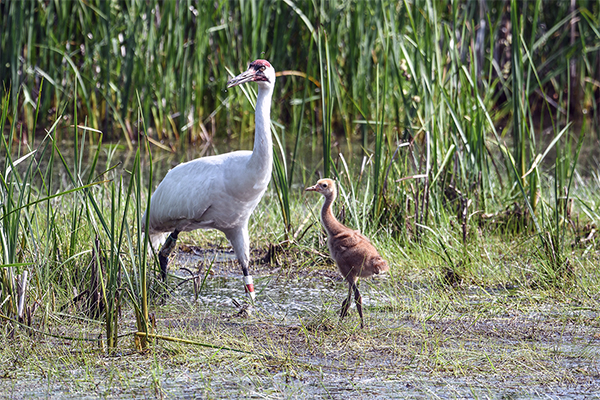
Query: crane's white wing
point(211, 192)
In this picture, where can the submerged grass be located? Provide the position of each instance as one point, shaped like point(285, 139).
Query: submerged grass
point(424, 342)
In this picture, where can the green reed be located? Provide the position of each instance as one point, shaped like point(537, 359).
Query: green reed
point(14, 208)
point(55, 238)
point(432, 116)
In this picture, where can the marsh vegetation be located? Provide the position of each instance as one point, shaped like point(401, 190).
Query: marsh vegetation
point(463, 137)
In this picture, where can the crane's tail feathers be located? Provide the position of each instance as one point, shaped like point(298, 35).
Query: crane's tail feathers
point(382, 266)
point(156, 240)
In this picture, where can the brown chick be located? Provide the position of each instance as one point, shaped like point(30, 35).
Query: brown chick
point(353, 253)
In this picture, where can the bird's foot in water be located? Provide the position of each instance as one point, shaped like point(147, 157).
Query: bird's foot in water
point(244, 310)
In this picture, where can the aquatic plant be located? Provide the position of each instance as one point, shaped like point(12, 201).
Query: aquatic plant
point(444, 124)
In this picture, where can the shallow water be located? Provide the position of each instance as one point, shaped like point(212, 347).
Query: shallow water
point(394, 357)
point(289, 301)
point(282, 298)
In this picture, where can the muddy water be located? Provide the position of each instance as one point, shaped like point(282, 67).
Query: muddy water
point(545, 352)
point(284, 303)
point(280, 297)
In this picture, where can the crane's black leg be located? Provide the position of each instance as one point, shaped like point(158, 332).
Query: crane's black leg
point(165, 250)
point(358, 300)
point(346, 303)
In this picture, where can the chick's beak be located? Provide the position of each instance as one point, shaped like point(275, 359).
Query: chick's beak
point(244, 77)
point(311, 189)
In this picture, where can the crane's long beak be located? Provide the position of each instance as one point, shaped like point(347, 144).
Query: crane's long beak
point(244, 77)
point(311, 189)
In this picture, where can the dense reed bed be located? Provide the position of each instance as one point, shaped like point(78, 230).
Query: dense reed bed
point(463, 136)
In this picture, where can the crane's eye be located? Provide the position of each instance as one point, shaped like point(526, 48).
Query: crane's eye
point(263, 68)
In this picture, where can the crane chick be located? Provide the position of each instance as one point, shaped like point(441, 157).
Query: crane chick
point(219, 192)
point(353, 253)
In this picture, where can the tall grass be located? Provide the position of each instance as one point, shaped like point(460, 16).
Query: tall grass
point(435, 118)
point(15, 214)
point(42, 261)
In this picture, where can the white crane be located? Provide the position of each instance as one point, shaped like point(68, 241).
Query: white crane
point(219, 192)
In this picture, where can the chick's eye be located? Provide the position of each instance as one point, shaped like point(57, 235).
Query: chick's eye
point(324, 185)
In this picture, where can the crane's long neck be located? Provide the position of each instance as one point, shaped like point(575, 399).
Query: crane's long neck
point(331, 224)
point(262, 154)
